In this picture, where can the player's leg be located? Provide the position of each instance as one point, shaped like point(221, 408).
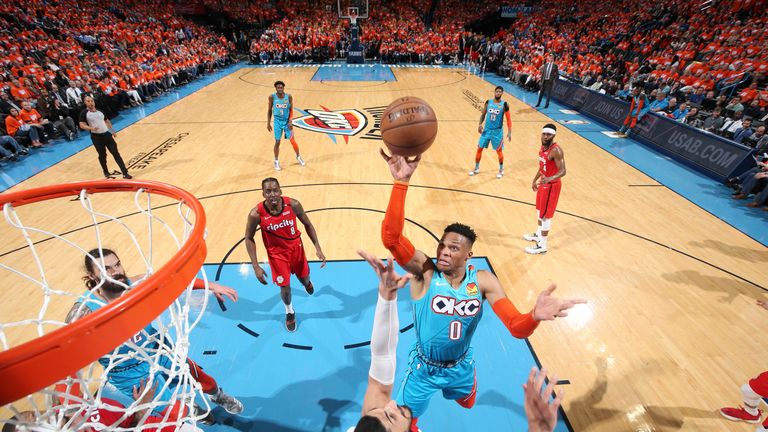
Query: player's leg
point(546, 214)
point(277, 128)
point(211, 388)
point(281, 276)
point(625, 125)
point(482, 144)
point(463, 389)
point(300, 267)
point(540, 203)
point(416, 389)
point(290, 136)
point(498, 145)
point(752, 393)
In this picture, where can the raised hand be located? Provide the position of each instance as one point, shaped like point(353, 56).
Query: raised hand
point(389, 281)
point(401, 167)
point(221, 291)
point(541, 413)
point(549, 307)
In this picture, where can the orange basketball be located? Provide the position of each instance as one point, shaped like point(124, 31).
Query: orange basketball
point(408, 126)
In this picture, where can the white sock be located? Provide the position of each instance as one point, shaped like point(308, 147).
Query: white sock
point(543, 242)
point(288, 308)
point(538, 231)
point(750, 409)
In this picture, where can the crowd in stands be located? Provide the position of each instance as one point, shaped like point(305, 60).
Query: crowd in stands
point(393, 31)
point(53, 54)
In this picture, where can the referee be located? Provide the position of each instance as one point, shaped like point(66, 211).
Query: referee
point(102, 135)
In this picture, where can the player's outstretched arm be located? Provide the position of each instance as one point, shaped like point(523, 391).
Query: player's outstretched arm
point(385, 333)
point(412, 260)
point(520, 325)
point(541, 412)
point(250, 244)
point(302, 216)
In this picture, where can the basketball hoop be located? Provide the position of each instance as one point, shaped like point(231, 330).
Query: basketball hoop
point(56, 361)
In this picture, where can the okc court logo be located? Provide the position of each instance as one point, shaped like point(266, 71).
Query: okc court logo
point(343, 122)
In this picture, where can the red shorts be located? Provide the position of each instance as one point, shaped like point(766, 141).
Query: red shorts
point(287, 262)
point(546, 199)
point(760, 384)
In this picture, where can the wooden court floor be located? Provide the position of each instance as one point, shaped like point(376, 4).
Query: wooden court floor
point(671, 330)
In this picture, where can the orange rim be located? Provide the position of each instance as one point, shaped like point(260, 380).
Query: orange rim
point(38, 363)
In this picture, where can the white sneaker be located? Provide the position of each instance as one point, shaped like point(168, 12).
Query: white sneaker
point(531, 237)
point(534, 250)
point(301, 161)
point(500, 174)
point(474, 171)
point(277, 166)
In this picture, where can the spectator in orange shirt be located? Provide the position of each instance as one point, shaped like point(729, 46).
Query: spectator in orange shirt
point(19, 92)
point(749, 94)
point(33, 118)
point(16, 128)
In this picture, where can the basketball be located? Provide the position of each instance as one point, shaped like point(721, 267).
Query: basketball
point(408, 126)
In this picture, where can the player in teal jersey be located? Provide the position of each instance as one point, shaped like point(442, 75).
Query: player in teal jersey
point(448, 300)
point(490, 129)
point(127, 372)
point(281, 105)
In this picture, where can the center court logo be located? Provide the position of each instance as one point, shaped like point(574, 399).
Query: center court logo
point(342, 122)
point(346, 122)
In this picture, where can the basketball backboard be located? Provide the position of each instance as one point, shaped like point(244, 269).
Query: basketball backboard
point(346, 7)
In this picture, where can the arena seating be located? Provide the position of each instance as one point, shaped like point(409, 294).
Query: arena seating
point(122, 53)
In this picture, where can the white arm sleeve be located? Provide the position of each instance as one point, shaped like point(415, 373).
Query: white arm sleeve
point(386, 330)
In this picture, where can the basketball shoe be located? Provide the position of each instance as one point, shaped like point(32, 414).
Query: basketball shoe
point(474, 171)
point(277, 165)
point(531, 237)
point(310, 288)
point(740, 414)
point(229, 403)
point(500, 174)
point(540, 248)
point(290, 321)
point(301, 161)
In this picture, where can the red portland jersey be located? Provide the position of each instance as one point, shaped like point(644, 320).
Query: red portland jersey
point(279, 232)
point(547, 167)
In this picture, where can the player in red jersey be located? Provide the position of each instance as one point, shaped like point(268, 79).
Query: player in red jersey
point(276, 216)
point(109, 414)
point(547, 186)
point(753, 392)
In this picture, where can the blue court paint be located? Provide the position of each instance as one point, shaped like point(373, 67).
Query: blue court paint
point(285, 386)
point(701, 190)
point(13, 173)
point(368, 72)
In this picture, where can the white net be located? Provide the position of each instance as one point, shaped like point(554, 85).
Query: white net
point(143, 383)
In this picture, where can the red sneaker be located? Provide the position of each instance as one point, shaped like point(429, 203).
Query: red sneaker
point(740, 414)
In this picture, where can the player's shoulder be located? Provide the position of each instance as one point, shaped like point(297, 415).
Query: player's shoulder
point(256, 210)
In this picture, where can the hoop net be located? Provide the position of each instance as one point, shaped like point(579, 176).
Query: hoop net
point(123, 366)
point(352, 12)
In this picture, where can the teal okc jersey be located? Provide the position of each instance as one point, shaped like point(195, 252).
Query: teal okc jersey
point(126, 371)
point(446, 318)
point(494, 115)
point(280, 107)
